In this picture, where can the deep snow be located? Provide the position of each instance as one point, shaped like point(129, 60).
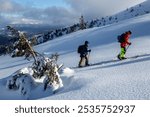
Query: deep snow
point(127, 79)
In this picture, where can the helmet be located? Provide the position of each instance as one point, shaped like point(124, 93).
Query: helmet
point(86, 42)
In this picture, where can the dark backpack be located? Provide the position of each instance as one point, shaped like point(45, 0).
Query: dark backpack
point(121, 38)
point(80, 48)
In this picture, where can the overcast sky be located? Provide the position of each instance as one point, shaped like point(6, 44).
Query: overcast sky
point(58, 12)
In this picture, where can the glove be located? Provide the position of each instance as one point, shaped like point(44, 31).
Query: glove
point(89, 51)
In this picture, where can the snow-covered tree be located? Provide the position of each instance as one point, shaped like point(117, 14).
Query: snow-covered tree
point(44, 68)
point(22, 46)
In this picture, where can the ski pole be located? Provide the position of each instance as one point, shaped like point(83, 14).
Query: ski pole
point(127, 48)
point(89, 55)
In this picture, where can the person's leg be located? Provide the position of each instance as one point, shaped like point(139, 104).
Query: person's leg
point(122, 54)
point(81, 60)
point(86, 61)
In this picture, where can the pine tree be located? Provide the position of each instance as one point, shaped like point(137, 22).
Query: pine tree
point(82, 23)
point(22, 45)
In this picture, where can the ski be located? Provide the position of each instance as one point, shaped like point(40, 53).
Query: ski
point(113, 60)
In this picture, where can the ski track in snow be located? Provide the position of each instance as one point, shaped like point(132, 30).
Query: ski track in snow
point(104, 90)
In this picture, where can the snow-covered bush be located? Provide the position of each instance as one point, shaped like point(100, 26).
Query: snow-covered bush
point(22, 80)
point(25, 79)
point(49, 69)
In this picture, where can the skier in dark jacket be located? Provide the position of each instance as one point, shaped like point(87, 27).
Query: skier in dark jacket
point(124, 44)
point(84, 54)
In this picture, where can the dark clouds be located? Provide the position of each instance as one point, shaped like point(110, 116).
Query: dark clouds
point(3, 21)
point(8, 6)
point(15, 13)
point(51, 15)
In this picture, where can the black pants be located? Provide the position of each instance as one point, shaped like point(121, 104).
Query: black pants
point(82, 57)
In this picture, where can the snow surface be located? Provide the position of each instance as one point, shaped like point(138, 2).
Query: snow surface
point(108, 78)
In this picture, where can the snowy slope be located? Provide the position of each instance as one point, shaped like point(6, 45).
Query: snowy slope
point(137, 10)
point(128, 79)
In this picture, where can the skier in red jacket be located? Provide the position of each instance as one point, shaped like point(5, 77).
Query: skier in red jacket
point(124, 44)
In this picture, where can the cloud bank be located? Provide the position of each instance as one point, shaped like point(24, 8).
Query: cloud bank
point(12, 12)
